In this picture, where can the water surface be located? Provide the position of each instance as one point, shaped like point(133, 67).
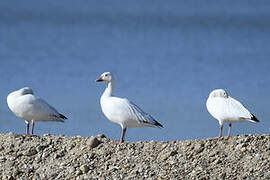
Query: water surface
point(166, 57)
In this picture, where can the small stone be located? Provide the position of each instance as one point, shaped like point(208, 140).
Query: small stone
point(3, 158)
point(198, 148)
point(30, 152)
point(40, 148)
point(223, 176)
point(247, 139)
point(16, 172)
point(218, 161)
point(268, 146)
point(238, 147)
point(78, 172)
point(72, 170)
point(173, 153)
point(53, 175)
point(127, 166)
point(213, 153)
point(85, 156)
point(112, 168)
point(84, 168)
point(164, 146)
point(8, 177)
point(101, 136)
point(93, 142)
point(38, 159)
point(258, 156)
point(171, 162)
point(59, 154)
point(243, 149)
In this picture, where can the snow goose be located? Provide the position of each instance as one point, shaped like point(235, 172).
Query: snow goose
point(121, 111)
point(25, 105)
point(227, 109)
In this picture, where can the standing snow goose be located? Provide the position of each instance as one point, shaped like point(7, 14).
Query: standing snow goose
point(25, 105)
point(121, 111)
point(227, 109)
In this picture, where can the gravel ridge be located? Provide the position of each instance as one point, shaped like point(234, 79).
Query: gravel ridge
point(97, 157)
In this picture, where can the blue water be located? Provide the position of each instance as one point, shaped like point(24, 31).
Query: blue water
point(166, 57)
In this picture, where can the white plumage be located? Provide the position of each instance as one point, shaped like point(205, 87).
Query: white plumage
point(25, 105)
point(227, 109)
point(122, 111)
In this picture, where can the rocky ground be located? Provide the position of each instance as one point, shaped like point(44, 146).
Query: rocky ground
point(63, 157)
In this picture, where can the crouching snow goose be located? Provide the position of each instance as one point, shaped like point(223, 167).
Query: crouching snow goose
point(25, 105)
point(121, 111)
point(226, 109)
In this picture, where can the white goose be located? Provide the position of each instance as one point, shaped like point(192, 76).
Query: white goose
point(121, 111)
point(28, 107)
point(227, 109)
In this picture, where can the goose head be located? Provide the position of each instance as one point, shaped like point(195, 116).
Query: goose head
point(219, 93)
point(26, 90)
point(106, 77)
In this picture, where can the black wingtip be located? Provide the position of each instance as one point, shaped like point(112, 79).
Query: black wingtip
point(253, 118)
point(62, 116)
point(158, 124)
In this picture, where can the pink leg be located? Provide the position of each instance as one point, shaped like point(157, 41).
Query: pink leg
point(230, 127)
point(27, 128)
point(123, 135)
point(33, 124)
point(220, 131)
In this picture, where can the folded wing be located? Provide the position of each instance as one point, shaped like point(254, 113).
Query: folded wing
point(228, 108)
point(39, 110)
point(142, 117)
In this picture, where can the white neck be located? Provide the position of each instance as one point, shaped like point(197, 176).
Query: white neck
point(108, 90)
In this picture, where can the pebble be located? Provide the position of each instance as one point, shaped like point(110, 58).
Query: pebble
point(198, 148)
point(3, 158)
point(72, 170)
point(93, 142)
point(101, 136)
point(243, 149)
point(30, 152)
point(84, 168)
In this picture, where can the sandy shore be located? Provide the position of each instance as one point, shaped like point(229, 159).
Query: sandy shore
point(64, 157)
